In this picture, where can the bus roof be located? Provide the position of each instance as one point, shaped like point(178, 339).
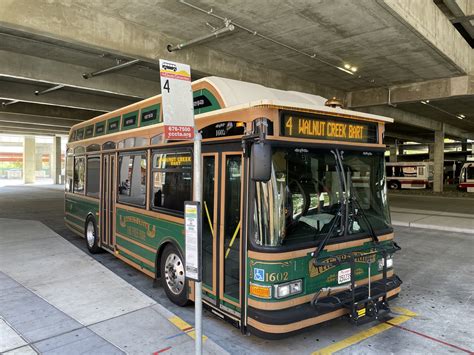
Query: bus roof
point(242, 93)
point(214, 95)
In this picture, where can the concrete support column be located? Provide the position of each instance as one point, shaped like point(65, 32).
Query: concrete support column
point(393, 152)
point(463, 145)
point(29, 159)
point(431, 152)
point(56, 160)
point(438, 152)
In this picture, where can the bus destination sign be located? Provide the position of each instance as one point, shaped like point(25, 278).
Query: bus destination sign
point(328, 128)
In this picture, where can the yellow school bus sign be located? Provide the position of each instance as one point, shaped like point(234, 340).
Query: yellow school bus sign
point(328, 128)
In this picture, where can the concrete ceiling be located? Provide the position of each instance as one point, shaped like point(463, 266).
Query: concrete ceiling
point(54, 41)
point(362, 33)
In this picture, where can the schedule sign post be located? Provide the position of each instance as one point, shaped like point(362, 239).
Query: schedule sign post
point(177, 100)
point(192, 226)
point(178, 116)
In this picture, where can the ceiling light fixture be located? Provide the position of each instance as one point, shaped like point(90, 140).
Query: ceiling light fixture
point(345, 70)
point(353, 69)
point(347, 66)
point(427, 102)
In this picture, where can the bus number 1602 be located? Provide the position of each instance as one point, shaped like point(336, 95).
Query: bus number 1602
point(276, 276)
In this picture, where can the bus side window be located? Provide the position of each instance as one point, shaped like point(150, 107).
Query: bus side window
point(132, 179)
point(171, 179)
point(92, 180)
point(69, 171)
point(79, 172)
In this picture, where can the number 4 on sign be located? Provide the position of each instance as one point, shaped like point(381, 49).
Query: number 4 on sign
point(167, 85)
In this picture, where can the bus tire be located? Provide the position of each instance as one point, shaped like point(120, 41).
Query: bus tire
point(173, 277)
point(90, 233)
point(394, 185)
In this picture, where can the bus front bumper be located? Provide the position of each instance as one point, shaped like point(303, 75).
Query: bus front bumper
point(277, 324)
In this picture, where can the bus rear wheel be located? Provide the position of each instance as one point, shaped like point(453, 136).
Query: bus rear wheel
point(92, 240)
point(394, 185)
point(172, 275)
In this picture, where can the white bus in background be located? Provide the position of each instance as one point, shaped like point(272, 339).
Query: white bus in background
point(466, 178)
point(409, 175)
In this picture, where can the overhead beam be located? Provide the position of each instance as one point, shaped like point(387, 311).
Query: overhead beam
point(414, 92)
point(13, 131)
point(37, 120)
point(406, 137)
point(33, 127)
point(23, 66)
point(50, 111)
point(133, 40)
point(72, 99)
point(414, 120)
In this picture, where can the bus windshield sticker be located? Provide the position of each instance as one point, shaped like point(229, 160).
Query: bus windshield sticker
point(328, 128)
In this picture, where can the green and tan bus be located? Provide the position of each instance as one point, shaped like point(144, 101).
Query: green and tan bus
point(296, 226)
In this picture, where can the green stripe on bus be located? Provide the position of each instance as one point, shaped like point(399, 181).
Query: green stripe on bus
point(136, 261)
point(136, 249)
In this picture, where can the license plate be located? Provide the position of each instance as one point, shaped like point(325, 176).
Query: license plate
point(344, 276)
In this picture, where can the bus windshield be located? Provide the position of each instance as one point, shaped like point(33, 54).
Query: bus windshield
point(300, 202)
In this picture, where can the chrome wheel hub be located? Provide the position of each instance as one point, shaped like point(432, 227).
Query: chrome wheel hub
point(90, 234)
point(174, 273)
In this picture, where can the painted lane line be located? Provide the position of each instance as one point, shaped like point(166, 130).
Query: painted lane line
point(357, 338)
point(185, 327)
point(430, 338)
point(162, 350)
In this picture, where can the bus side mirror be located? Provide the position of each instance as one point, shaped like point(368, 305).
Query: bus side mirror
point(261, 161)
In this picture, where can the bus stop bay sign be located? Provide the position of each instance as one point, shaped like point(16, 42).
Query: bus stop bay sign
point(177, 100)
point(192, 226)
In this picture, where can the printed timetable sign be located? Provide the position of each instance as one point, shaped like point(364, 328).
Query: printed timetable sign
point(177, 100)
point(192, 227)
point(328, 128)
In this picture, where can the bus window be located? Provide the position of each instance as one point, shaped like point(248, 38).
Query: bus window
point(79, 170)
point(208, 225)
point(232, 225)
point(92, 181)
point(93, 148)
point(108, 145)
point(132, 179)
point(470, 172)
point(421, 171)
point(171, 180)
point(158, 139)
point(132, 142)
point(69, 171)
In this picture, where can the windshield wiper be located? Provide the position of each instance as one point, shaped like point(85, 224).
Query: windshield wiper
point(354, 199)
point(339, 213)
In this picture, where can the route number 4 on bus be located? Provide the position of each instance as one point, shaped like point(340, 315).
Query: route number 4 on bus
point(177, 100)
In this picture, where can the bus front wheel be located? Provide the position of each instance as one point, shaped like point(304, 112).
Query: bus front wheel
point(92, 240)
point(172, 275)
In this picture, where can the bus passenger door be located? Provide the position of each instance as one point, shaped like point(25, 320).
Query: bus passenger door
point(107, 200)
point(230, 231)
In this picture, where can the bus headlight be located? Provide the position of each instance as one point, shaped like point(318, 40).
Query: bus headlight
point(288, 289)
point(389, 263)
